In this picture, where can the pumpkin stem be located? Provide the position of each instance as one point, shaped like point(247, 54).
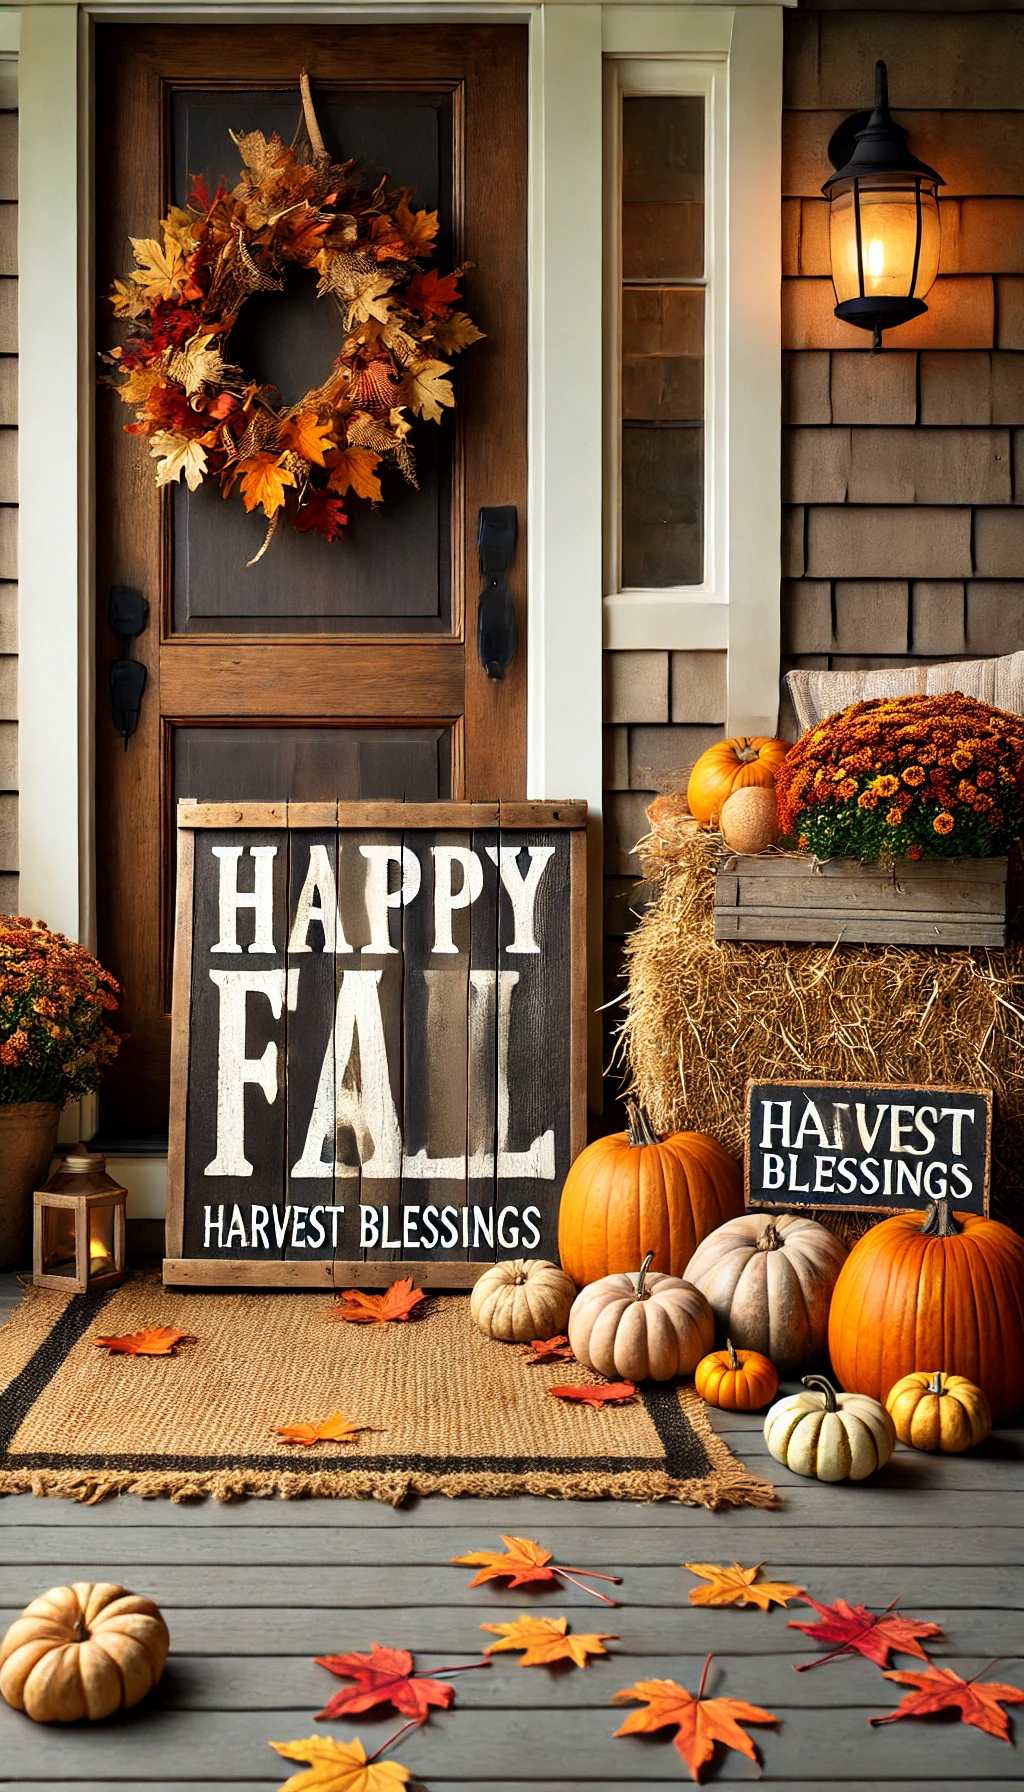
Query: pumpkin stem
point(822, 1383)
point(745, 753)
point(639, 1130)
point(641, 1280)
point(734, 1361)
point(771, 1238)
point(937, 1385)
point(939, 1220)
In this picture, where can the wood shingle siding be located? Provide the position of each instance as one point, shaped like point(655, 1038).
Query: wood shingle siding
point(8, 487)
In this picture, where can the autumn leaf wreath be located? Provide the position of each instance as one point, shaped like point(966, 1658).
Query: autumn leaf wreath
point(292, 207)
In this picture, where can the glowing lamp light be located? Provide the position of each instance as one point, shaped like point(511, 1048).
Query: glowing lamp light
point(883, 220)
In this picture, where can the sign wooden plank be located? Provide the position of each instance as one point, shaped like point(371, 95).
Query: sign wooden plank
point(866, 1147)
point(379, 1025)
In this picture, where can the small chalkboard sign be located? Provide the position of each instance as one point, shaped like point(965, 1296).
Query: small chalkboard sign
point(867, 1147)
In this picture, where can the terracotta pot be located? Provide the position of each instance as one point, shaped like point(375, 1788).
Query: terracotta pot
point(28, 1138)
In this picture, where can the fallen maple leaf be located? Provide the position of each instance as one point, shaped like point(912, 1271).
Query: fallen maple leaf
point(156, 1340)
point(397, 1302)
point(700, 1723)
point(610, 1393)
point(854, 1629)
point(339, 1767)
point(979, 1702)
point(546, 1640)
point(524, 1563)
point(549, 1350)
point(335, 1429)
point(737, 1585)
point(387, 1677)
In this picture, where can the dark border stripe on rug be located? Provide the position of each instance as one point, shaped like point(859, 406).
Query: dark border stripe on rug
point(496, 1465)
point(22, 1392)
point(686, 1458)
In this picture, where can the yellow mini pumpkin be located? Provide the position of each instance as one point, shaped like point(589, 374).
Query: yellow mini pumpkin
point(523, 1299)
point(736, 1380)
point(940, 1412)
point(829, 1436)
point(83, 1651)
point(644, 1326)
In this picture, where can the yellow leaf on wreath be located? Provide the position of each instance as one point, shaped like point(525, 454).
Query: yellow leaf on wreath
point(127, 300)
point(453, 334)
point(263, 481)
point(417, 228)
point(546, 1640)
point(427, 389)
point(179, 227)
point(176, 455)
point(370, 300)
point(198, 364)
point(737, 1585)
point(309, 437)
point(137, 385)
point(161, 272)
point(339, 1767)
point(353, 472)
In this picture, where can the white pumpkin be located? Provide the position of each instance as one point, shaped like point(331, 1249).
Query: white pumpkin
point(769, 1280)
point(523, 1299)
point(643, 1325)
point(829, 1436)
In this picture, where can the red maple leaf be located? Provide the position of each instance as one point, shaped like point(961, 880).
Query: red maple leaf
point(979, 1702)
point(321, 513)
point(610, 1393)
point(549, 1350)
point(385, 1677)
point(433, 294)
point(853, 1629)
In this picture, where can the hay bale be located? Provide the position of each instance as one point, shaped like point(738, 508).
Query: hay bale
point(702, 1017)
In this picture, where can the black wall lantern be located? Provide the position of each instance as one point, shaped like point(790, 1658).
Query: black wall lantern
point(883, 220)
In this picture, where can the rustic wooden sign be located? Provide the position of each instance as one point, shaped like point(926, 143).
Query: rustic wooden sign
point(378, 1039)
point(867, 1147)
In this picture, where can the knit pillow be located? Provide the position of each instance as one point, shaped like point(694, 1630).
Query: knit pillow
point(997, 681)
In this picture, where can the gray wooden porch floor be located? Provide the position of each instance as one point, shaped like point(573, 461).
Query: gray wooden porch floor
point(253, 1591)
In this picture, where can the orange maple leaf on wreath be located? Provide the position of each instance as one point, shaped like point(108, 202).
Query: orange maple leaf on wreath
point(433, 294)
point(309, 437)
point(417, 228)
point(700, 1723)
point(263, 480)
point(399, 1302)
point(388, 1677)
point(156, 1340)
point(979, 1702)
point(547, 1640)
point(335, 1429)
point(354, 471)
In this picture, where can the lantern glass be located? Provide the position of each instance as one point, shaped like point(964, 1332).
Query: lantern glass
point(898, 244)
point(58, 1225)
point(101, 1240)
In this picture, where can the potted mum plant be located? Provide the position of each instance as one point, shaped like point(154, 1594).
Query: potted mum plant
point(55, 1044)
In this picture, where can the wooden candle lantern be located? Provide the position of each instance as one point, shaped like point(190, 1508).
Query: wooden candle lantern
point(79, 1229)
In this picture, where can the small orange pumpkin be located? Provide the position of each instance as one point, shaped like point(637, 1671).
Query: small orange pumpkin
point(732, 765)
point(736, 1380)
point(937, 1411)
point(632, 1192)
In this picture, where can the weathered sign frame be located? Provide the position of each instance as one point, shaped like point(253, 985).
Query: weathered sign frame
point(801, 1202)
point(567, 818)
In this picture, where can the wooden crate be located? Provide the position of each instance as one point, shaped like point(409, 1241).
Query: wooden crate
point(926, 902)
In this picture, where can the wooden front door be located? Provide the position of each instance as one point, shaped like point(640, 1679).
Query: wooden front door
point(327, 670)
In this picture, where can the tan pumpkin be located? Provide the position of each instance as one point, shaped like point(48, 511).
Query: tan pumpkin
point(83, 1651)
point(940, 1412)
point(750, 819)
point(736, 1380)
point(769, 1280)
point(632, 1192)
point(732, 765)
point(523, 1299)
point(641, 1325)
point(829, 1436)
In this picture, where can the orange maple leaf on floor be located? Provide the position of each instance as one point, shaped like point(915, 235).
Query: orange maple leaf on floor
point(546, 1640)
point(340, 1767)
point(335, 1429)
point(397, 1302)
point(737, 1585)
point(387, 1677)
point(611, 1393)
point(699, 1723)
point(525, 1563)
point(549, 1350)
point(979, 1702)
point(156, 1340)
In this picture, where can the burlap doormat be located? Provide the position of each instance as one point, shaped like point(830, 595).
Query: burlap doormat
point(457, 1413)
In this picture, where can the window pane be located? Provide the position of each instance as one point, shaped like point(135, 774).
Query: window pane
point(663, 354)
point(663, 187)
point(662, 505)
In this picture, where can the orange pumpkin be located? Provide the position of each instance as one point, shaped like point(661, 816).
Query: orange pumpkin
point(732, 765)
point(947, 1288)
point(632, 1192)
point(736, 1380)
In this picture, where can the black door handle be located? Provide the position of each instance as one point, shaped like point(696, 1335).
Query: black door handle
point(496, 632)
point(128, 613)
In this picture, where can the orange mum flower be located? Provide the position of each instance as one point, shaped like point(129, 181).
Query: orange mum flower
point(943, 823)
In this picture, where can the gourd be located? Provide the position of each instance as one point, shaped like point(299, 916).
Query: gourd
point(522, 1299)
point(732, 765)
point(769, 1279)
point(939, 1288)
point(830, 1436)
point(645, 1326)
point(83, 1651)
point(938, 1412)
point(632, 1192)
point(750, 820)
point(736, 1380)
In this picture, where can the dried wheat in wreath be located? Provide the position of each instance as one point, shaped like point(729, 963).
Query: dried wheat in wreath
point(293, 207)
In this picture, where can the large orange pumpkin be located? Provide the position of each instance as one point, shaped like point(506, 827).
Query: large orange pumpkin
point(731, 765)
point(947, 1288)
point(632, 1192)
